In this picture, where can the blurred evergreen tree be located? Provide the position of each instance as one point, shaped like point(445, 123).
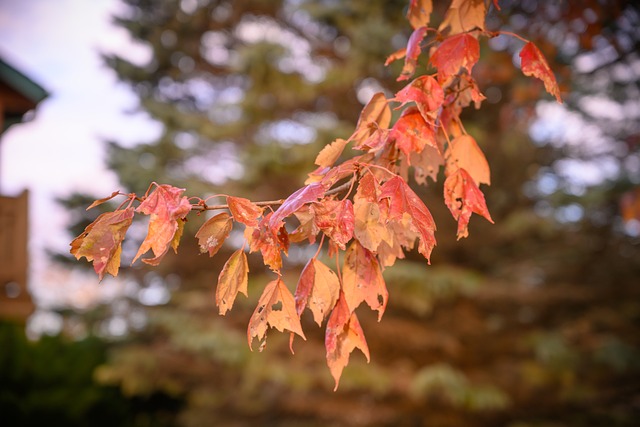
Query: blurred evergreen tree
point(529, 322)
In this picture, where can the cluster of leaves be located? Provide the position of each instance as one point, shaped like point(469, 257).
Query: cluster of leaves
point(363, 208)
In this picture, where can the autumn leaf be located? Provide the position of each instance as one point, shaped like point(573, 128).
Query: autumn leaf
point(454, 53)
point(463, 16)
point(335, 218)
point(330, 153)
point(343, 335)
point(214, 232)
point(425, 92)
point(403, 200)
point(426, 164)
point(276, 309)
point(412, 53)
point(376, 115)
point(465, 153)
point(244, 210)
point(419, 13)
point(463, 197)
point(269, 241)
point(318, 288)
point(232, 279)
point(165, 205)
point(368, 222)
point(533, 63)
point(412, 133)
point(362, 280)
point(295, 201)
point(307, 230)
point(103, 200)
point(101, 241)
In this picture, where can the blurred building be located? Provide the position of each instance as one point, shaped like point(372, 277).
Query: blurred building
point(18, 96)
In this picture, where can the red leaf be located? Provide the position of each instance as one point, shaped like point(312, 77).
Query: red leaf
point(411, 132)
point(465, 153)
point(232, 279)
point(295, 201)
point(318, 287)
point(402, 200)
point(166, 206)
point(459, 51)
point(425, 92)
point(463, 197)
point(101, 241)
point(342, 336)
point(244, 211)
point(534, 64)
point(362, 280)
point(419, 13)
point(413, 51)
point(277, 309)
point(464, 15)
point(213, 233)
point(269, 241)
point(335, 218)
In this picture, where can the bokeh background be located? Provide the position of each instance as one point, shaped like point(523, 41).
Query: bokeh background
point(532, 321)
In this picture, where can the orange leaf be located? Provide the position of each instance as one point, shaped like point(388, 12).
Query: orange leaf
point(412, 133)
point(463, 197)
point(318, 287)
point(271, 242)
point(465, 153)
point(425, 92)
point(464, 15)
point(214, 232)
point(101, 241)
point(459, 51)
point(419, 13)
point(166, 206)
point(277, 309)
point(342, 336)
point(362, 280)
point(335, 219)
point(402, 200)
point(375, 115)
point(232, 279)
point(244, 211)
point(426, 164)
point(330, 153)
point(534, 64)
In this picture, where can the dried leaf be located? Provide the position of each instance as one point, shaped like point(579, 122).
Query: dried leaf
point(330, 153)
point(464, 15)
point(465, 153)
point(342, 336)
point(454, 53)
point(403, 200)
point(463, 197)
point(318, 287)
point(244, 210)
point(375, 115)
point(101, 241)
point(232, 279)
point(165, 205)
point(269, 241)
point(214, 232)
point(277, 309)
point(307, 230)
point(335, 218)
point(419, 13)
point(362, 280)
point(534, 64)
point(426, 164)
point(104, 199)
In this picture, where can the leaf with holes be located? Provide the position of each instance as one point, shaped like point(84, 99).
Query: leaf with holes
point(343, 335)
point(426, 164)
point(276, 309)
point(232, 279)
point(101, 241)
point(269, 241)
point(463, 198)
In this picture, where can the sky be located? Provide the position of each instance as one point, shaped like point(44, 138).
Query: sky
point(57, 44)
